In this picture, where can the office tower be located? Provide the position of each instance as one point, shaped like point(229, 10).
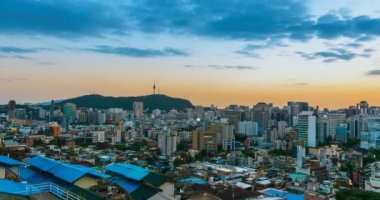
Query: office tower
point(281, 129)
point(138, 109)
point(227, 137)
point(322, 129)
point(307, 132)
point(363, 107)
point(11, 109)
point(52, 107)
point(295, 108)
point(371, 137)
point(233, 116)
point(352, 110)
point(341, 135)
point(356, 125)
point(206, 139)
point(69, 111)
point(20, 113)
point(248, 128)
point(167, 143)
point(334, 120)
point(11, 105)
point(261, 115)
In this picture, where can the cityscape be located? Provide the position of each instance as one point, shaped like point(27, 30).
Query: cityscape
point(189, 100)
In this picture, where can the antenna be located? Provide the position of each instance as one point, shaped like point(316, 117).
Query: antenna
point(154, 87)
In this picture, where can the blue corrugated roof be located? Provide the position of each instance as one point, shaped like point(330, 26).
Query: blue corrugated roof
point(10, 187)
point(193, 180)
point(67, 172)
point(42, 163)
point(127, 170)
point(128, 185)
point(34, 177)
point(91, 171)
point(5, 160)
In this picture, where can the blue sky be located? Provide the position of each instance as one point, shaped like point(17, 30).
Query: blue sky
point(211, 52)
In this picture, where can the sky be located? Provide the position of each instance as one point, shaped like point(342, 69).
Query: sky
point(216, 52)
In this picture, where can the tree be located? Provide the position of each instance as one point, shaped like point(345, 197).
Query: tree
point(356, 194)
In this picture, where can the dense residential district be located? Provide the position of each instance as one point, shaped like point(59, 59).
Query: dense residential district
point(62, 151)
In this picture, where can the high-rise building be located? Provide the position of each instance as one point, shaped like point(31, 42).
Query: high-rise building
point(248, 128)
point(206, 139)
point(138, 109)
point(227, 137)
point(69, 111)
point(11, 109)
point(294, 108)
point(356, 125)
point(281, 129)
point(20, 113)
point(261, 115)
point(341, 135)
point(322, 129)
point(371, 138)
point(335, 119)
point(233, 116)
point(307, 131)
point(363, 107)
point(167, 143)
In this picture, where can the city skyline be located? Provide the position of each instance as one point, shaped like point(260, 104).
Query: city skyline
point(202, 51)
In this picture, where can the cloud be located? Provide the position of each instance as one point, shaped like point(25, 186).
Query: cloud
point(44, 63)
point(332, 55)
point(250, 49)
point(221, 67)
point(17, 52)
point(258, 20)
point(64, 18)
point(354, 45)
point(138, 53)
point(369, 50)
point(12, 79)
point(375, 72)
point(301, 84)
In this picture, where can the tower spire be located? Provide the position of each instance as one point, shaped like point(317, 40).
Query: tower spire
point(154, 87)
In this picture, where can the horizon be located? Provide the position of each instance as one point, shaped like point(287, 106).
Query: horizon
point(219, 107)
point(264, 51)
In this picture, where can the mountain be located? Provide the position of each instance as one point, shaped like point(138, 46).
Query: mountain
point(156, 101)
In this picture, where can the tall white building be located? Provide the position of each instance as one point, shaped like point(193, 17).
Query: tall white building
point(138, 109)
point(248, 128)
point(167, 143)
point(98, 137)
point(227, 137)
point(307, 128)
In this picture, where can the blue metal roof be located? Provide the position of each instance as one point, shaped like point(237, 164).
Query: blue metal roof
point(67, 172)
point(127, 185)
point(133, 172)
point(42, 163)
point(91, 171)
point(34, 177)
point(193, 180)
point(5, 160)
point(10, 187)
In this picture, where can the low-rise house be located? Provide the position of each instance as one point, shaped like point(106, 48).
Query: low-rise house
point(141, 183)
